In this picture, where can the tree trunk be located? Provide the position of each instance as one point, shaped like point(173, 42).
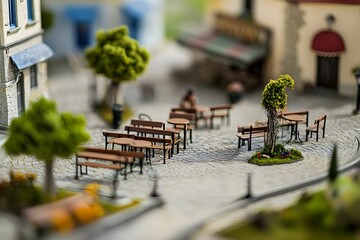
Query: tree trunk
point(114, 95)
point(272, 130)
point(49, 178)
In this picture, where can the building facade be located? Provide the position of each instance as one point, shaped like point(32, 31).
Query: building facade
point(23, 68)
point(315, 41)
point(76, 22)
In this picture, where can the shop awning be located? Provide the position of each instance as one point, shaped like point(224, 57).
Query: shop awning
point(225, 48)
point(31, 56)
point(328, 42)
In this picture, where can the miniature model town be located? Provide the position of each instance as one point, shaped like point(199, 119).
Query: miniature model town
point(235, 124)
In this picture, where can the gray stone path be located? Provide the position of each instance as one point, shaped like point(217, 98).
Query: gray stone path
point(212, 171)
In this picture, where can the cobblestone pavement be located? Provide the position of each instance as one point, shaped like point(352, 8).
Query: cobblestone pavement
point(212, 171)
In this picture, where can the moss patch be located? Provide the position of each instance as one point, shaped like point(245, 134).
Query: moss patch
point(280, 155)
point(106, 114)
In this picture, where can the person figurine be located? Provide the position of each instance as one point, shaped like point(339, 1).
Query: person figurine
point(189, 100)
point(235, 91)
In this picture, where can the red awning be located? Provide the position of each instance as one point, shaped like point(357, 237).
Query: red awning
point(328, 42)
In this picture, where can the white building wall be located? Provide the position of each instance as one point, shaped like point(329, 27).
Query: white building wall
point(23, 29)
point(347, 25)
point(14, 41)
point(270, 13)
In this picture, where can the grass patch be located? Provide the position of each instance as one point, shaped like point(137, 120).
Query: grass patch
point(329, 214)
point(280, 155)
point(273, 161)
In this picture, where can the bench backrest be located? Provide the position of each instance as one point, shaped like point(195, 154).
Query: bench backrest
point(146, 123)
point(184, 110)
point(188, 116)
point(221, 107)
point(149, 131)
point(116, 152)
point(117, 135)
point(320, 121)
point(155, 139)
point(252, 129)
point(109, 134)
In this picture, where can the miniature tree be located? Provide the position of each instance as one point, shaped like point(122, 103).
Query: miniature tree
point(44, 133)
point(274, 99)
point(118, 57)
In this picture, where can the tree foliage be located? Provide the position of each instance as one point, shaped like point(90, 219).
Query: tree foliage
point(117, 56)
point(274, 95)
point(274, 99)
point(44, 133)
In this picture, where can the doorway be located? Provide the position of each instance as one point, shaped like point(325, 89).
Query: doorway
point(327, 72)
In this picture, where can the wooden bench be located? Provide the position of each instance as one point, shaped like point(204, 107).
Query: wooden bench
point(110, 159)
point(41, 216)
point(199, 115)
point(163, 144)
point(190, 126)
point(247, 133)
point(163, 134)
point(220, 111)
point(319, 124)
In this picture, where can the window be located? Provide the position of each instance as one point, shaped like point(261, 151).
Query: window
point(33, 76)
point(12, 13)
point(20, 94)
point(30, 10)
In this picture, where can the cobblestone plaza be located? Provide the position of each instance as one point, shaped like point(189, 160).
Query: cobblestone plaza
point(212, 171)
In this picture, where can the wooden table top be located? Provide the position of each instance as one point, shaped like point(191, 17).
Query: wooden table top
point(178, 121)
point(294, 118)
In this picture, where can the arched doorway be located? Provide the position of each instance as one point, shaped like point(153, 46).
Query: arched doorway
point(328, 45)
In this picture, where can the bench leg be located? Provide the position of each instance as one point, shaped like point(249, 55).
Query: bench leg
point(249, 144)
point(239, 142)
point(317, 136)
point(323, 132)
point(191, 135)
point(115, 183)
point(76, 168)
point(164, 153)
point(141, 165)
point(306, 137)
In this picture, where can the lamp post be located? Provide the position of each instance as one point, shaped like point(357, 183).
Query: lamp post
point(357, 77)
